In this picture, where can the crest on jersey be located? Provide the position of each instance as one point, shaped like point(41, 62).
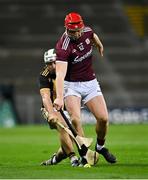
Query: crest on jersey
point(81, 47)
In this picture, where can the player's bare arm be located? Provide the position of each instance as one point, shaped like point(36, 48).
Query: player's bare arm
point(61, 69)
point(45, 94)
point(98, 44)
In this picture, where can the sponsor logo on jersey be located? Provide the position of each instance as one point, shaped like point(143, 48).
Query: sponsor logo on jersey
point(79, 59)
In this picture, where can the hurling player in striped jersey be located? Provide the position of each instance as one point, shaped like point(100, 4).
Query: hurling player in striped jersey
point(47, 92)
point(76, 80)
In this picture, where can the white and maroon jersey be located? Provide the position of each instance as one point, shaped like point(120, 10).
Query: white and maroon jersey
point(78, 54)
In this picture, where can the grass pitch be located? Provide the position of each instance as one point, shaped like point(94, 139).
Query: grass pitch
point(23, 148)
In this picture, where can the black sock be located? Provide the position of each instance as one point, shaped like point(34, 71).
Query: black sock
point(100, 142)
point(60, 156)
point(83, 150)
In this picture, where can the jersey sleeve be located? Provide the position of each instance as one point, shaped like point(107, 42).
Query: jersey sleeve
point(43, 82)
point(63, 48)
point(62, 55)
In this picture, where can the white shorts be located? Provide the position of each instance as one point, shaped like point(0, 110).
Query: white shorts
point(85, 90)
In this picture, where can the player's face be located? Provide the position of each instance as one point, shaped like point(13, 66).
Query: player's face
point(51, 66)
point(74, 34)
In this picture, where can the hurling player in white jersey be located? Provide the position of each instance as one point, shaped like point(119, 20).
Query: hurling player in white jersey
point(76, 80)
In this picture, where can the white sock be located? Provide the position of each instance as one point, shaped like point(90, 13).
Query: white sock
point(73, 158)
point(99, 147)
point(54, 160)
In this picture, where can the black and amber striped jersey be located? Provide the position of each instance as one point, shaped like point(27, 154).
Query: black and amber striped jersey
point(47, 80)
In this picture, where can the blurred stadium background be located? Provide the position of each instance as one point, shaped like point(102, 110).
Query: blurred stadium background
point(30, 27)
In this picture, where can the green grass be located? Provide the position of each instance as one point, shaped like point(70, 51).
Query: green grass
point(23, 148)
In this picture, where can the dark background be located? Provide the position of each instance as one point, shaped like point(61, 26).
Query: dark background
point(30, 27)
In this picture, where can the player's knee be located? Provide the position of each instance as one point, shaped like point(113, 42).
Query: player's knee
point(75, 121)
point(52, 124)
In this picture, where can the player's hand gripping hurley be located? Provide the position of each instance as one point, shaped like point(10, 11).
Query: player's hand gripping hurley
point(81, 142)
point(76, 138)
